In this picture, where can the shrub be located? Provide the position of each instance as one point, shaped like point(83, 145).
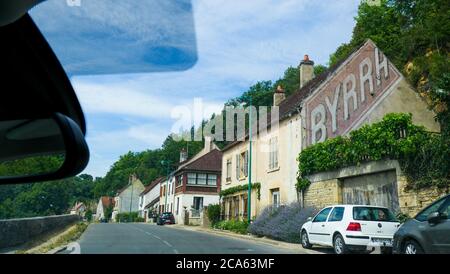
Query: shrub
point(214, 214)
point(126, 217)
point(282, 223)
point(237, 226)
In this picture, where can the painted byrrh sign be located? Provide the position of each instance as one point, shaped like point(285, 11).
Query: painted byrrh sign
point(342, 102)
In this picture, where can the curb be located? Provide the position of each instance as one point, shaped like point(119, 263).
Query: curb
point(291, 246)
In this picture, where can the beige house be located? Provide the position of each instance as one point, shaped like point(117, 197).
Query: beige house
point(127, 199)
point(359, 90)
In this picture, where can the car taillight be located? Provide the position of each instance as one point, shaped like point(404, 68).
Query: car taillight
point(354, 227)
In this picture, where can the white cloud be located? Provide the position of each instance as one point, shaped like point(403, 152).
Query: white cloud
point(239, 43)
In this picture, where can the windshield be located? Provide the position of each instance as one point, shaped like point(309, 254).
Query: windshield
point(240, 117)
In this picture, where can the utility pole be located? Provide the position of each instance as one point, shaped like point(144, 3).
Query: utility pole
point(131, 200)
point(249, 198)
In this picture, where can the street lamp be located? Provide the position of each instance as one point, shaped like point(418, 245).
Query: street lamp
point(249, 200)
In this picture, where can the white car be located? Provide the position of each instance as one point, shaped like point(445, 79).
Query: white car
point(351, 228)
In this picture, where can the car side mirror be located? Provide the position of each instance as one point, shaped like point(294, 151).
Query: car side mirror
point(41, 148)
point(434, 217)
point(309, 219)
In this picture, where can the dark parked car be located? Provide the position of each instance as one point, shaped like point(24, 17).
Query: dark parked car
point(428, 232)
point(166, 218)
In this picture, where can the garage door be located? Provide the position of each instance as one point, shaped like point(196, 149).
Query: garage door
point(373, 189)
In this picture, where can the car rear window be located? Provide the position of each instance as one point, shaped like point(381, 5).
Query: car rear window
point(377, 214)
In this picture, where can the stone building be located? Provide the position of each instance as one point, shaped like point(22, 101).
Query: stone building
point(359, 90)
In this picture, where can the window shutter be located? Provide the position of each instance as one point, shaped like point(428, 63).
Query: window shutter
point(246, 163)
point(237, 166)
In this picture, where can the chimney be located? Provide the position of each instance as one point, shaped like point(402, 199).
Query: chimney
point(306, 68)
point(209, 145)
point(278, 96)
point(183, 155)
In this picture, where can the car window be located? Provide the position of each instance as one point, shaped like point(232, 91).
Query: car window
point(445, 208)
point(378, 214)
point(422, 216)
point(337, 214)
point(322, 216)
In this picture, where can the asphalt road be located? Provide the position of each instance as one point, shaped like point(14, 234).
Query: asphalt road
point(134, 238)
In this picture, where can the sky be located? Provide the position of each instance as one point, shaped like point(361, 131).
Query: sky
point(234, 45)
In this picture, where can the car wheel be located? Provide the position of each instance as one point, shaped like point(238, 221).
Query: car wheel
point(305, 240)
point(339, 245)
point(412, 247)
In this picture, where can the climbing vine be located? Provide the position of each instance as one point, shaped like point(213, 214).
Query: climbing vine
point(236, 189)
point(423, 156)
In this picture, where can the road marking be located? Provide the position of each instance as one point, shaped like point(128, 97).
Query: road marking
point(157, 237)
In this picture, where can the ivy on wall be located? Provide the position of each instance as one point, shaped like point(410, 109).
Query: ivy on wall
point(423, 156)
point(236, 189)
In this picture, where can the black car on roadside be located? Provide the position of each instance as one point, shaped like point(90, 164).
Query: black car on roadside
point(166, 218)
point(427, 232)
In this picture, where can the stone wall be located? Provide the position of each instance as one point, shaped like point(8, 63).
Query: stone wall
point(412, 201)
point(19, 231)
point(326, 187)
point(323, 193)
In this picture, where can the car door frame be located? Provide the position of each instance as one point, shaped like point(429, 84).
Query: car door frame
point(432, 232)
point(317, 233)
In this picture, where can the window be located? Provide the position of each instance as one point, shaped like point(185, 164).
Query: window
point(422, 216)
point(228, 169)
point(179, 180)
point(322, 216)
point(212, 179)
point(198, 203)
point(273, 153)
point(192, 178)
point(276, 198)
point(376, 214)
point(178, 205)
point(336, 215)
point(201, 179)
point(243, 160)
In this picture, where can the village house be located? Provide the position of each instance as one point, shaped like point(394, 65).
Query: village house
point(78, 209)
point(149, 199)
point(359, 90)
point(166, 195)
point(197, 183)
point(104, 203)
point(127, 199)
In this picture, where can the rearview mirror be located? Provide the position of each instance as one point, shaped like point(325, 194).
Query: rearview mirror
point(41, 149)
point(434, 217)
point(309, 219)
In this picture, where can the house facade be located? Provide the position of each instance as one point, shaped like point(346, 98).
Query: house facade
point(127, 199)
point(197, 183)
point(102, 205)
point(359, 90)
point(149, 199)
point(166, 196)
